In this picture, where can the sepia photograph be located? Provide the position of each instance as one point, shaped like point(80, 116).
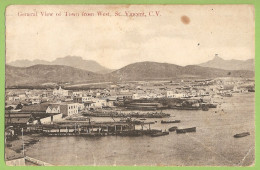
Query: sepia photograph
point(130, 85)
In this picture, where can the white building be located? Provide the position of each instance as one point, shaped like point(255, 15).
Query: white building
point(98, 103)
point(77, 94)
point(170, 94)
point(60, 92)
point(180, 95)
point(53, 108)
point(136, 96)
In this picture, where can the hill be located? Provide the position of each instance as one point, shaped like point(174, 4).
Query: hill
point(157, 71)
point(72, 61)
point(220, 63)
point(47, 74)
point(42, 74)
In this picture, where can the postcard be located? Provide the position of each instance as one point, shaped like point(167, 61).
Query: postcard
point(130, 85)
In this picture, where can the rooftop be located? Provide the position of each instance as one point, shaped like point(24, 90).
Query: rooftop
point(36, 108)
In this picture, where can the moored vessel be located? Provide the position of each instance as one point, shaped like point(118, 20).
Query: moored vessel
point(186, 130)
point(172, 129)
point(240, 135)
point(170, 121)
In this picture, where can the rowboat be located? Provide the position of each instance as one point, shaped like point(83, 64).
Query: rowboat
point(159, 134)
point(240, 135)
point(172, 129)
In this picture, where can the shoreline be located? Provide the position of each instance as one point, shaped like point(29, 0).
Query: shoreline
point(17, 144)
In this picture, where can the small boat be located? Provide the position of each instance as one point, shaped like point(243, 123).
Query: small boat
point(240, 135)
point(186, 130)
point(205, 108)
point(129, 133)
point(160, 134)
point(213, 105)
point(172, 129)
point(170, 121)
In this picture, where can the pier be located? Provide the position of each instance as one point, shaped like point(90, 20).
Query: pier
point(96, 129)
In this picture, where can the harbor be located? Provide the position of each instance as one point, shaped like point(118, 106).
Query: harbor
point(213, 129)
point(100, 129)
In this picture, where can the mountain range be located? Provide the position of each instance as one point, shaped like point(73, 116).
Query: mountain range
point(73, 61)
point(41, 74)
point(220, 63)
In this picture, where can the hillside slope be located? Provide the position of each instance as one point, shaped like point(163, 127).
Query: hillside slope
point(220, 63)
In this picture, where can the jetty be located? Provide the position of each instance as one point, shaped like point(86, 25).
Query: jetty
point(96, 129)
point(132, 114)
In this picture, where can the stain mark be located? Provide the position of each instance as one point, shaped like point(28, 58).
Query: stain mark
point(185, 19)
point(198, 44)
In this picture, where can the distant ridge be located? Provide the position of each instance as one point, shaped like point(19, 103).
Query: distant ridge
point(72, 61)
point(154, 70)
point(42, 74)
point(220, 63)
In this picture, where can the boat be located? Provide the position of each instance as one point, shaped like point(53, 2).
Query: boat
point(129, 133)
point(240, 135)
point(172, 129)
point(160, 134)
point(170, 121)
point(205, 108)
point(186, 130)
point(213, 105)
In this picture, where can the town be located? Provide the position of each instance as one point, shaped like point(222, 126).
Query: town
point(52, 105)
point(67, 111)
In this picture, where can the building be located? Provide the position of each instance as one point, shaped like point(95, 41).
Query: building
point(18, 119)
point(111, 101)
point(48, 118)
point(77, 94)
point(36, 108)
point(99, 103)
point(170, 94)
point(53, 108)
point(180, 95)
point(82, 99)
point(135, 96)
point(68, 109)
point(81, 106)
point(62, 92)
point(88, 105)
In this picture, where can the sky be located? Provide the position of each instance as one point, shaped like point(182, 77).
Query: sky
point(180, 34)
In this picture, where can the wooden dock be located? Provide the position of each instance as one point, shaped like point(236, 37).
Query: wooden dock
point(94, 129)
